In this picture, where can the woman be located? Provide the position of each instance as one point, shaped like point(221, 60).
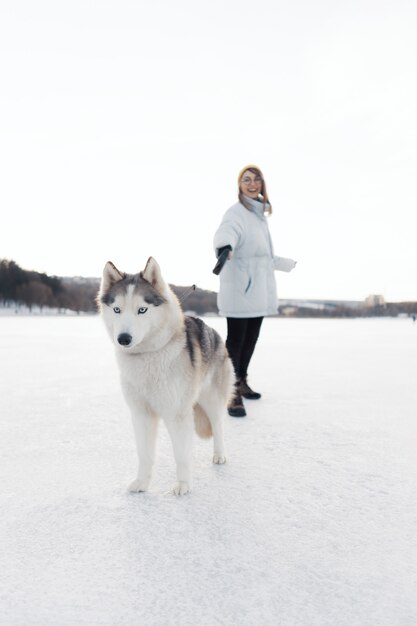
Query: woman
point(247, 283)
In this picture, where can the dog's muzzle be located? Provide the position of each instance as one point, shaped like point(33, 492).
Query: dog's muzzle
point(124, 339)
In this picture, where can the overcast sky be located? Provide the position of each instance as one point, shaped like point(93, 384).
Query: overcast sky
point(124, 125)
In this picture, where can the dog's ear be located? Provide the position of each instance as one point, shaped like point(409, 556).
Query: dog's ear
point(111, 275)
point(152, 274)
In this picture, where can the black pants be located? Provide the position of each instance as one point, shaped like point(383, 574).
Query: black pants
point(242, 335)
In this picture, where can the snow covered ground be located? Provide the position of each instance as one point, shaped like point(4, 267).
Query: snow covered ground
point(311, 522)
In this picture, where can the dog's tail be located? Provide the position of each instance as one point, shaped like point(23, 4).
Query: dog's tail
point(202, 422)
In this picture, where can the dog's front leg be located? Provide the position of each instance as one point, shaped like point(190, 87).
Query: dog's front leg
point(181, 431)
point(146, 428)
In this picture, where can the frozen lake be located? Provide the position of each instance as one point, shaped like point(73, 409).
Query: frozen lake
point(312, 521)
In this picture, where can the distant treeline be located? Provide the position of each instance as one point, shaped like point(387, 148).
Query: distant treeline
point(199, 301)
point(29, 288)
point(390, 309)
point(33, 289)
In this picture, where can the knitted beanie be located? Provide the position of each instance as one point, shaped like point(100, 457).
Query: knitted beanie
point(248, 167)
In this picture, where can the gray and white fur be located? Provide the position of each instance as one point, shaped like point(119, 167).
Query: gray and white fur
point(173, 367)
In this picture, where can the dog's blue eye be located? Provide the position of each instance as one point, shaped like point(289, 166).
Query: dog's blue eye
point(142, 309)
point(116, 309)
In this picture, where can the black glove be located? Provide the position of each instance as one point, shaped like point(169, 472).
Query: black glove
point(220, 250)
point(222, 254)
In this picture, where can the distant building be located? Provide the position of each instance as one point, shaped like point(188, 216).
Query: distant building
point(374, 300)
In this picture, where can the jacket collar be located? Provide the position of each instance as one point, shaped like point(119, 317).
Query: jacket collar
point(256, 206)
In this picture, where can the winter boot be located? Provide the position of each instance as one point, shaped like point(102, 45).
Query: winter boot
point(236, 408)
point(246, 391)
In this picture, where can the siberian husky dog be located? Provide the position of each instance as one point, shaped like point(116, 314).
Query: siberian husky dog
point(172, 367)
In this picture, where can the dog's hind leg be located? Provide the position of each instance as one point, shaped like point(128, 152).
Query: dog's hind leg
point(181, 431)
point(145, 426)
point(215, 410)
point(219, 454)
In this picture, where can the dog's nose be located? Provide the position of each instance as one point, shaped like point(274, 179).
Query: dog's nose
point(124, 339)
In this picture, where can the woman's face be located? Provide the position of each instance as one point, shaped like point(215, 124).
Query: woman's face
point(251, 184)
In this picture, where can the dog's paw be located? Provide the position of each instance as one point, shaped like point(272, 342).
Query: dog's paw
point(219, 459)
point(137, 486)
point(181, 488)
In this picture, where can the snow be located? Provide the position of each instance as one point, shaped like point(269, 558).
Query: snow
point(311, 522)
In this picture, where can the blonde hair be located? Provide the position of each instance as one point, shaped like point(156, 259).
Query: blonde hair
point(255, 170)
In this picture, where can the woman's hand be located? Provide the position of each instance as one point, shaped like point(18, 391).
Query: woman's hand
point(223, 254)
point(222, 249)
point(284, 265)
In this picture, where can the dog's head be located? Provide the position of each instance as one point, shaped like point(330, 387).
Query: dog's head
point(140, 311)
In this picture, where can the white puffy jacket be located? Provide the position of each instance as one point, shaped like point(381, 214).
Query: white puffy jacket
point(247, 280)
